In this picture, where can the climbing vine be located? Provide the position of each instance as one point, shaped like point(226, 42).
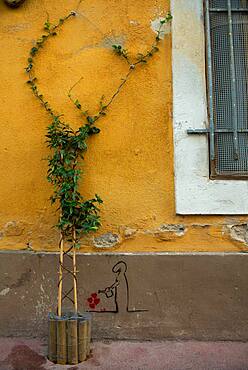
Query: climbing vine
point(77, 214)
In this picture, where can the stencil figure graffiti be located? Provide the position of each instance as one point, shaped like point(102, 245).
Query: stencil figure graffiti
point(118, 292)
point(119, 289)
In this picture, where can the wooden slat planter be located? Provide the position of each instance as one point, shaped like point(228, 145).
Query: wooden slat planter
point(69, 338)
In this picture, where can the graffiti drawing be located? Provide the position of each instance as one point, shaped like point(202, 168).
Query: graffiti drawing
point(118, 291)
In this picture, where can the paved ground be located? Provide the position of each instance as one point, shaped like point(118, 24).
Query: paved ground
point(21, 354)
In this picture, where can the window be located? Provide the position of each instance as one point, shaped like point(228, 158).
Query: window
point(226, 25)
point(196, 191)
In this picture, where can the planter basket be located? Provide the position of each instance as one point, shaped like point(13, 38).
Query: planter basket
point(69, 338)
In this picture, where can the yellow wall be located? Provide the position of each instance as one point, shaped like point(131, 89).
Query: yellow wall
point(130, 164)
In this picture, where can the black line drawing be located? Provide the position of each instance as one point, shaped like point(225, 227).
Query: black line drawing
point(119, 291)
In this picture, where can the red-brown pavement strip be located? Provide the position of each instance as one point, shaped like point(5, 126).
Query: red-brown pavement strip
point(29, 354)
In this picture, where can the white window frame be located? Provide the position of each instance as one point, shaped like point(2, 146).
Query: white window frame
point(196, 193)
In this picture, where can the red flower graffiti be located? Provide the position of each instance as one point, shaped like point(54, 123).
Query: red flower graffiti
point(93, 300)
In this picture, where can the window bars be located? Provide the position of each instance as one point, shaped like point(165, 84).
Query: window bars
point(226, 24)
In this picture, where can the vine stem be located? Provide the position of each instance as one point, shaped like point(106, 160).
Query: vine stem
point(132, 67)
point(75, 84)
point(124, 80)
point(119, 87)
point(78, 5)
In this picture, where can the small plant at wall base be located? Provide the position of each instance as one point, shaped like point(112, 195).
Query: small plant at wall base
point(78, 215)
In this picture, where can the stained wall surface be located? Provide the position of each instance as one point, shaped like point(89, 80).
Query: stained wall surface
point(168, 304)
point(129, 164)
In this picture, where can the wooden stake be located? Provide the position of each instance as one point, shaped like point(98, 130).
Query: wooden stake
point(75, 272)
point(87, 318)
point(72, 341)
point(52, 340)
point(61, 246)
point(82, 340)
point(61, 342)
point(88, 336)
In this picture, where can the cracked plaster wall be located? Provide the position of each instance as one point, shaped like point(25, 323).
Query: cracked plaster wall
point(130, 164)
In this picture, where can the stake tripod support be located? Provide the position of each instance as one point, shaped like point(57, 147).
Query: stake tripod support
point(67, 270)
point(69, 332)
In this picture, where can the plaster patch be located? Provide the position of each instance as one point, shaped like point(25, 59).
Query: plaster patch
point(5, 291)
point(13, 228)
point(200, 226)
point(107, 240)
point(134, 22)
point(129, 232)
point(165, 29)
point(176, 228)
point(239, 232)
point(168, 232)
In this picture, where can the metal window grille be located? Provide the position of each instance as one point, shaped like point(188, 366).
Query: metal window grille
point(226, 23)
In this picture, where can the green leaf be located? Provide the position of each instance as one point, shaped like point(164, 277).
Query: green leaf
point(29, 67)
point(47, 25)
point(168, 17)
point(33, 51)
point(90, 119)
point(77, 103)
point(94, 130)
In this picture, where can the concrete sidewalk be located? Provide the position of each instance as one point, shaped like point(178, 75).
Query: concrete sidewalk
point(23, 354)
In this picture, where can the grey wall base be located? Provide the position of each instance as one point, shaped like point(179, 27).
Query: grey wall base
point(171, 296)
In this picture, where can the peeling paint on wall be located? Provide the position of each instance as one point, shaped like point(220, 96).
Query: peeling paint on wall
point(107, 240)
point(165, 29)
point(13, 228)
point(169, 232)
point(128, 232)
point(5, 291)
point(239, 232)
